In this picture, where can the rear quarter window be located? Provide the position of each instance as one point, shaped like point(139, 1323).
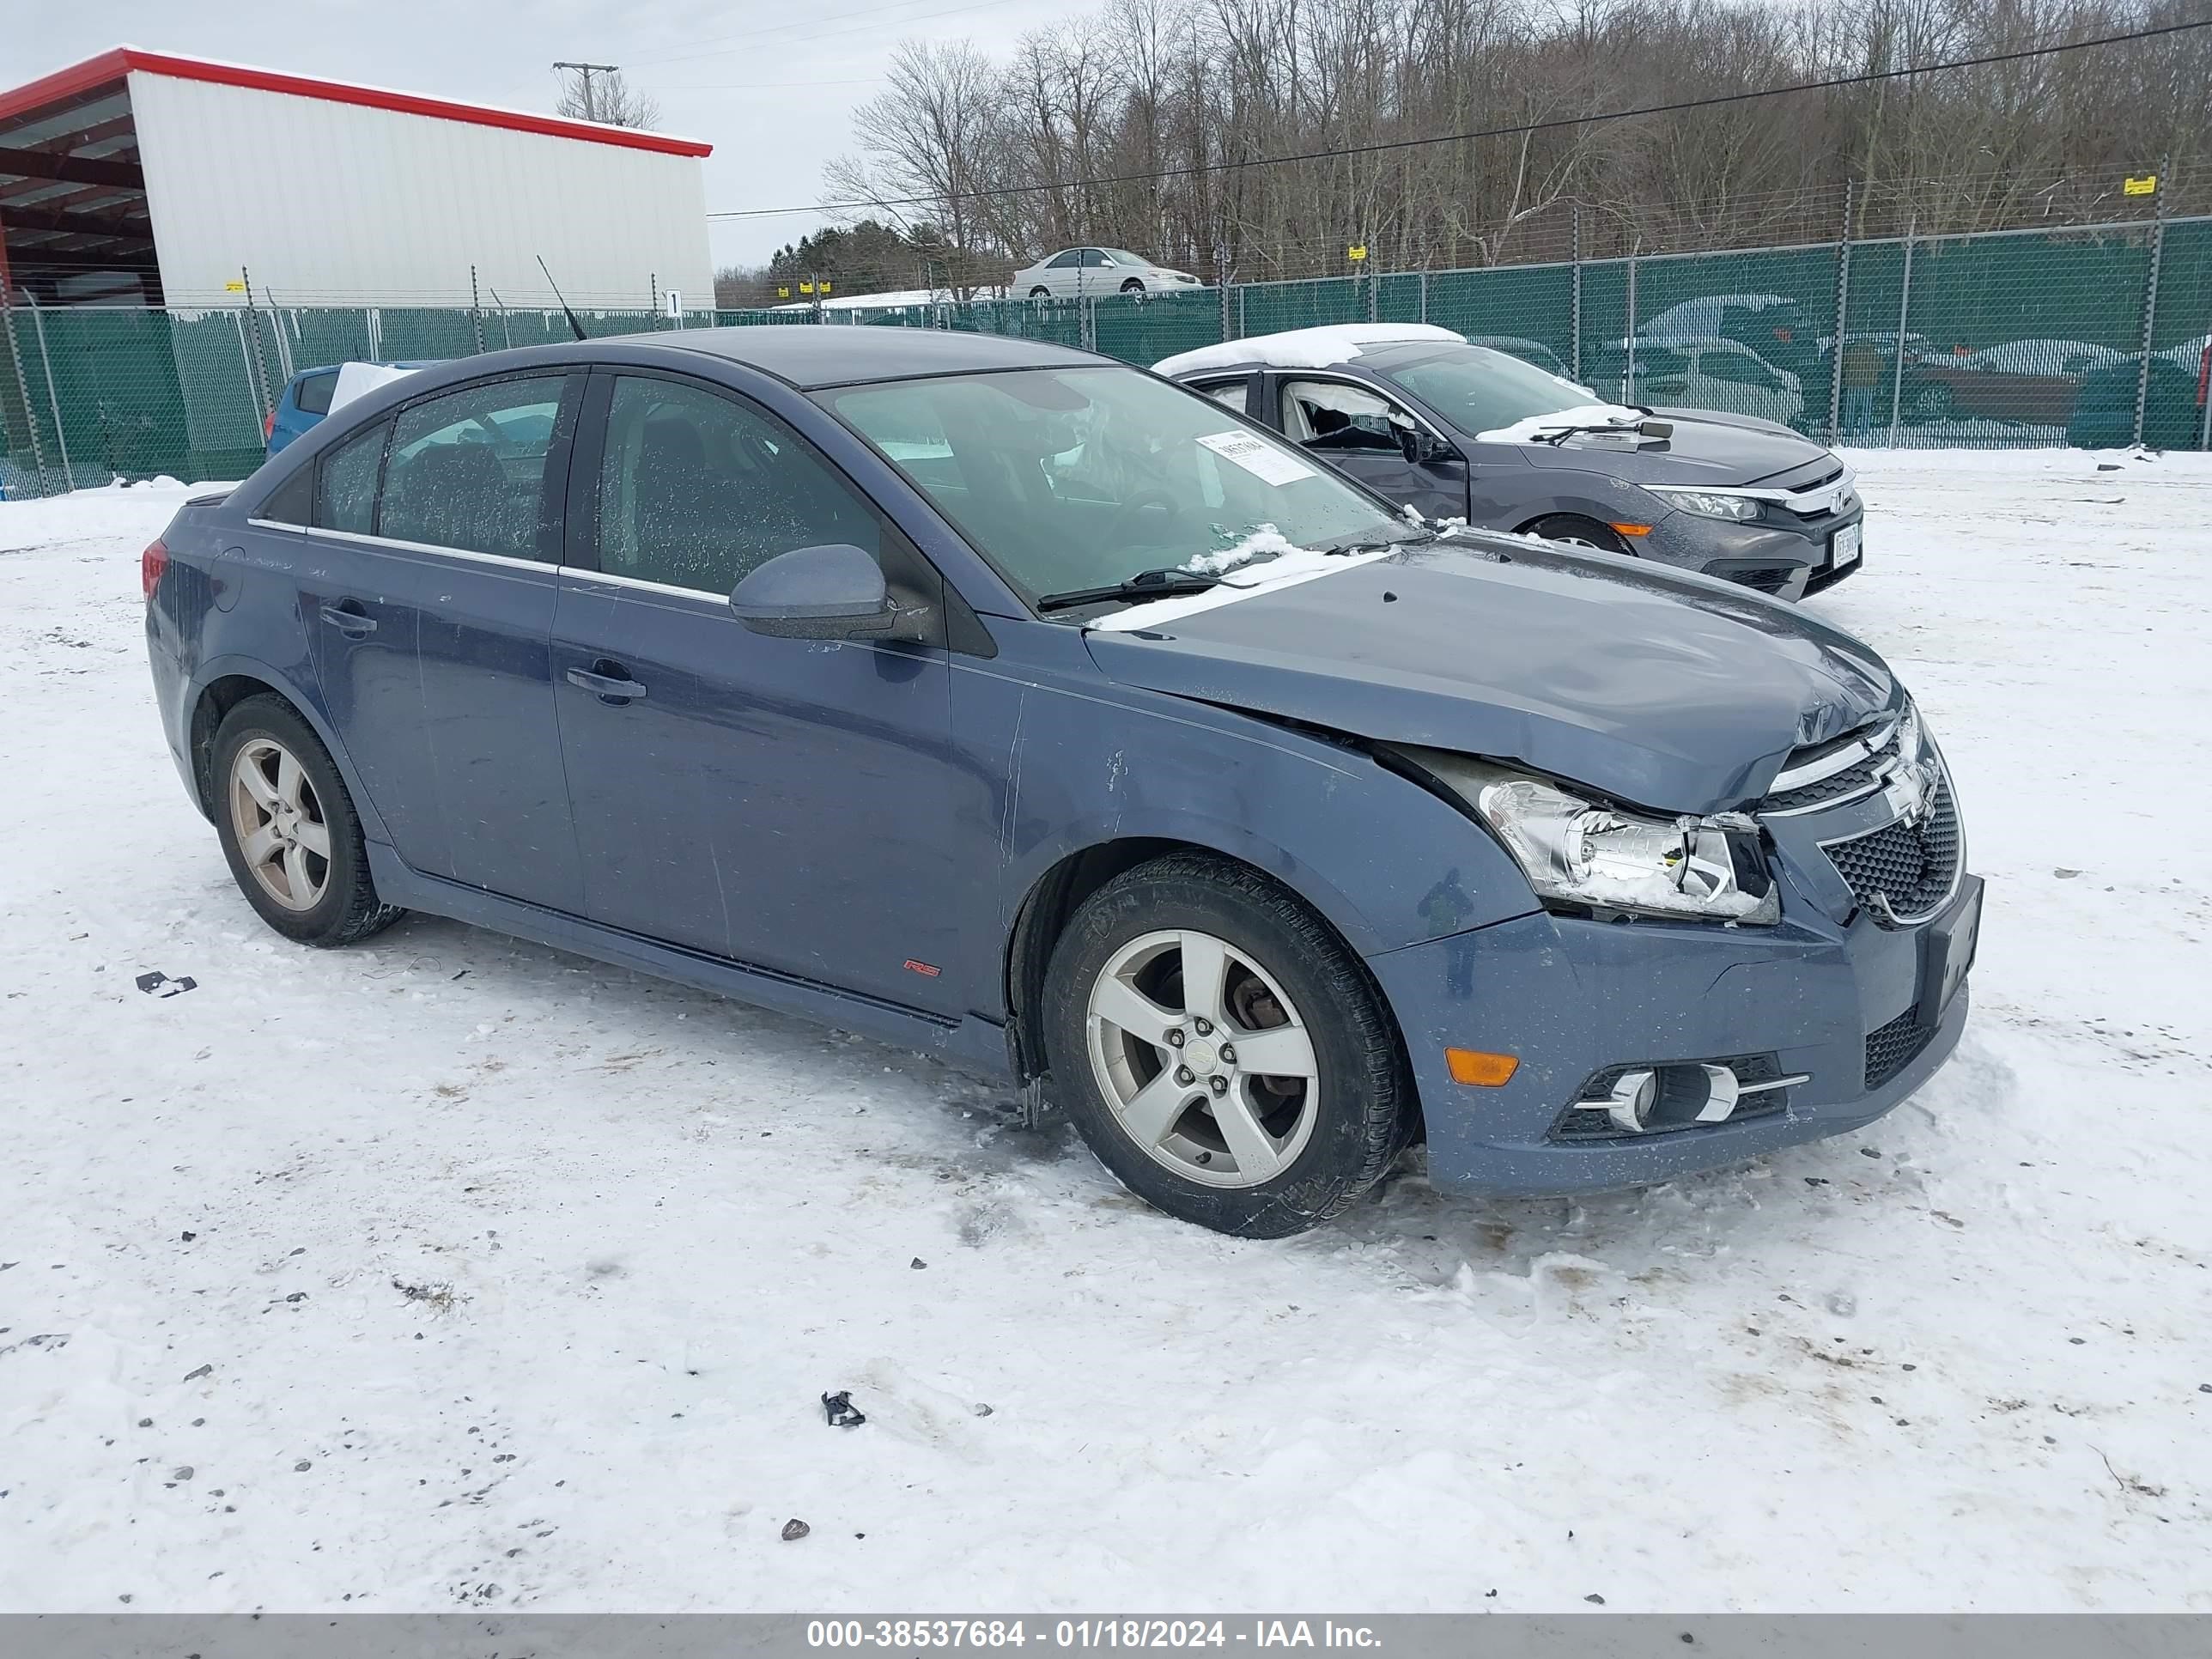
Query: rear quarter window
point(312, 394)
point(345, 482)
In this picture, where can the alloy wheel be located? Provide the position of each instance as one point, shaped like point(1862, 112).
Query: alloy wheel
point(282, 836)
point(1203, 1060)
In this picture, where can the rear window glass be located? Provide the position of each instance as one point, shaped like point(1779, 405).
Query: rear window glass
point(313, 395)
point(468, 468)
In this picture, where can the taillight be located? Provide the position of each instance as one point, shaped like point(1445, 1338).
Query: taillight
point(268, 426)
point(151, 563)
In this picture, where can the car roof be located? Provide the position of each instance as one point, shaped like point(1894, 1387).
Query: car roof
point(811, 355)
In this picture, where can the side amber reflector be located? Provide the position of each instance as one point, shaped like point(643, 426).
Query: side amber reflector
point(1484, 1071)
point(1633, 529)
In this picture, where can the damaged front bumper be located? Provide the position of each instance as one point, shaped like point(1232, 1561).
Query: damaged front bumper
point(1864, 1014)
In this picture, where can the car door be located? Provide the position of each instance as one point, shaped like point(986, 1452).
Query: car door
point(1063, 272)
point(784, 802)
point(1095, 274)
point(1375, 439)
point(432, 609)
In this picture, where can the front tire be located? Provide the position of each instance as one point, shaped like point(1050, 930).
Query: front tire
point(1578, 532)
point(288, 829)
point(1135, 285)
point(1221, 1051)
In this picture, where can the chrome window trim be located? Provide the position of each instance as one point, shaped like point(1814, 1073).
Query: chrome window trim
point(644, 584)
point(278, 523)
point(394, 543)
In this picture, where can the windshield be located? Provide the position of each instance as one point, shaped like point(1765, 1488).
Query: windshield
point(1074, 479)
point(1478, 390)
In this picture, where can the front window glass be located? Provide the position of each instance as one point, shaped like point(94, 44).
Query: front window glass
point(696, 491)
point(1075, 478)
point(468, 469)
point(1478, 389)
point(1329, 415)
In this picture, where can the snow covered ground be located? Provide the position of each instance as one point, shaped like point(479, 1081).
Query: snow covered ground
point(448, 1271)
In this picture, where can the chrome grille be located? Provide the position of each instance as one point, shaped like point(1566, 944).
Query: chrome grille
point(1913, 865)
point(1856, 779)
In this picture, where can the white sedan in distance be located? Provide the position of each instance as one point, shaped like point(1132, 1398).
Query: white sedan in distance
point(1092, 271)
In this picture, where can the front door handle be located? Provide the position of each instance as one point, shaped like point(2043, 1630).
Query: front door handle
point(612, 686)
point(349, 620)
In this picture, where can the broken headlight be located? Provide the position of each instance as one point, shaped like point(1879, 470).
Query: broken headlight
point(1578, 851)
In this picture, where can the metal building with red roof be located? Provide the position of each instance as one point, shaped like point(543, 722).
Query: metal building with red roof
point(141, 178)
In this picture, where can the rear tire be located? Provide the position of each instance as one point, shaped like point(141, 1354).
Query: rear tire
point(1578, 532)
point(1040, 291)
point(288, 829)
point(1168, 1104)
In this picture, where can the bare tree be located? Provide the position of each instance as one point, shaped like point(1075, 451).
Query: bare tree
point(605, 96)
point(1164, 126)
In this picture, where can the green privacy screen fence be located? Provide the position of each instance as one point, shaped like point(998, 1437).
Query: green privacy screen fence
point(2095, 336)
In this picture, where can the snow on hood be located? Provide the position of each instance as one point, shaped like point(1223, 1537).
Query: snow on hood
point(1305, 348)
point(1529, 429)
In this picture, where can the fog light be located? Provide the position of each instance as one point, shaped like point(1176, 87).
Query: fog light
point(1484, 1071)
point(1630, 1102)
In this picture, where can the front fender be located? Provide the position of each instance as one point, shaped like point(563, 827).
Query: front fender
point(1383, 859)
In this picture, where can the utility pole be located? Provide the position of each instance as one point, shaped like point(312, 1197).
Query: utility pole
point(585, 72)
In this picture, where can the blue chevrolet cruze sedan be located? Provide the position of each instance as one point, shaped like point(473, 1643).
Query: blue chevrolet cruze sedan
point(1019, 706)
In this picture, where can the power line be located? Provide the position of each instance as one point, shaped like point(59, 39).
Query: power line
point(1719, 99)
point(717, 47)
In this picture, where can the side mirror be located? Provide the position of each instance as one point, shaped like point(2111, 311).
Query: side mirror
point(834, 592)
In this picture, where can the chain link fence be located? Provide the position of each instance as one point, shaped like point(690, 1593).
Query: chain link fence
point(2099, 336)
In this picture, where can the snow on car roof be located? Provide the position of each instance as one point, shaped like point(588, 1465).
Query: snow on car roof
point(1305, 348)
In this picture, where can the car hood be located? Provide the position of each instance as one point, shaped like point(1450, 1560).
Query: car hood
point(1659, 689)
point(1705, 449)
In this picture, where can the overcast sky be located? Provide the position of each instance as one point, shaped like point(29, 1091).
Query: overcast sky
point(772, 87)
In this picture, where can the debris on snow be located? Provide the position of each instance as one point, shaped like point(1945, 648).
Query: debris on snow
point(837, 1409)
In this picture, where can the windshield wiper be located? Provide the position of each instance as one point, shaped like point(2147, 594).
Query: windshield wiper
point(1144, 585)
point(1380, 543)
point(1643, 428)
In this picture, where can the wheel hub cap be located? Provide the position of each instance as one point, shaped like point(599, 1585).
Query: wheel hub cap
point(1202, 1058)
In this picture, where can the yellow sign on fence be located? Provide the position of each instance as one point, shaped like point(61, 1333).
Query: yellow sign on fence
point(233, 288)
point(1356, 252)
point(2145, 186)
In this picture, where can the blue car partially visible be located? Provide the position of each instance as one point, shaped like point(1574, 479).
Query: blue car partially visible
point(307, 399)
point(309, 395)
point(1012, 704)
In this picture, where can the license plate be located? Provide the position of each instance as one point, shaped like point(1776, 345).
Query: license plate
point(1951, 954)
point(1844, 547)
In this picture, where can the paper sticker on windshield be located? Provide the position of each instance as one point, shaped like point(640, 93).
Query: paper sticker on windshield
point(1257, 456)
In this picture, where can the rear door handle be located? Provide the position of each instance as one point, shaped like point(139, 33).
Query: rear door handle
point(615, 687)
point(349, 620)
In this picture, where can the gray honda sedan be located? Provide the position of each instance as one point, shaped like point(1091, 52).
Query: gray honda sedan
point(1017, 706)
point(1462, 432)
